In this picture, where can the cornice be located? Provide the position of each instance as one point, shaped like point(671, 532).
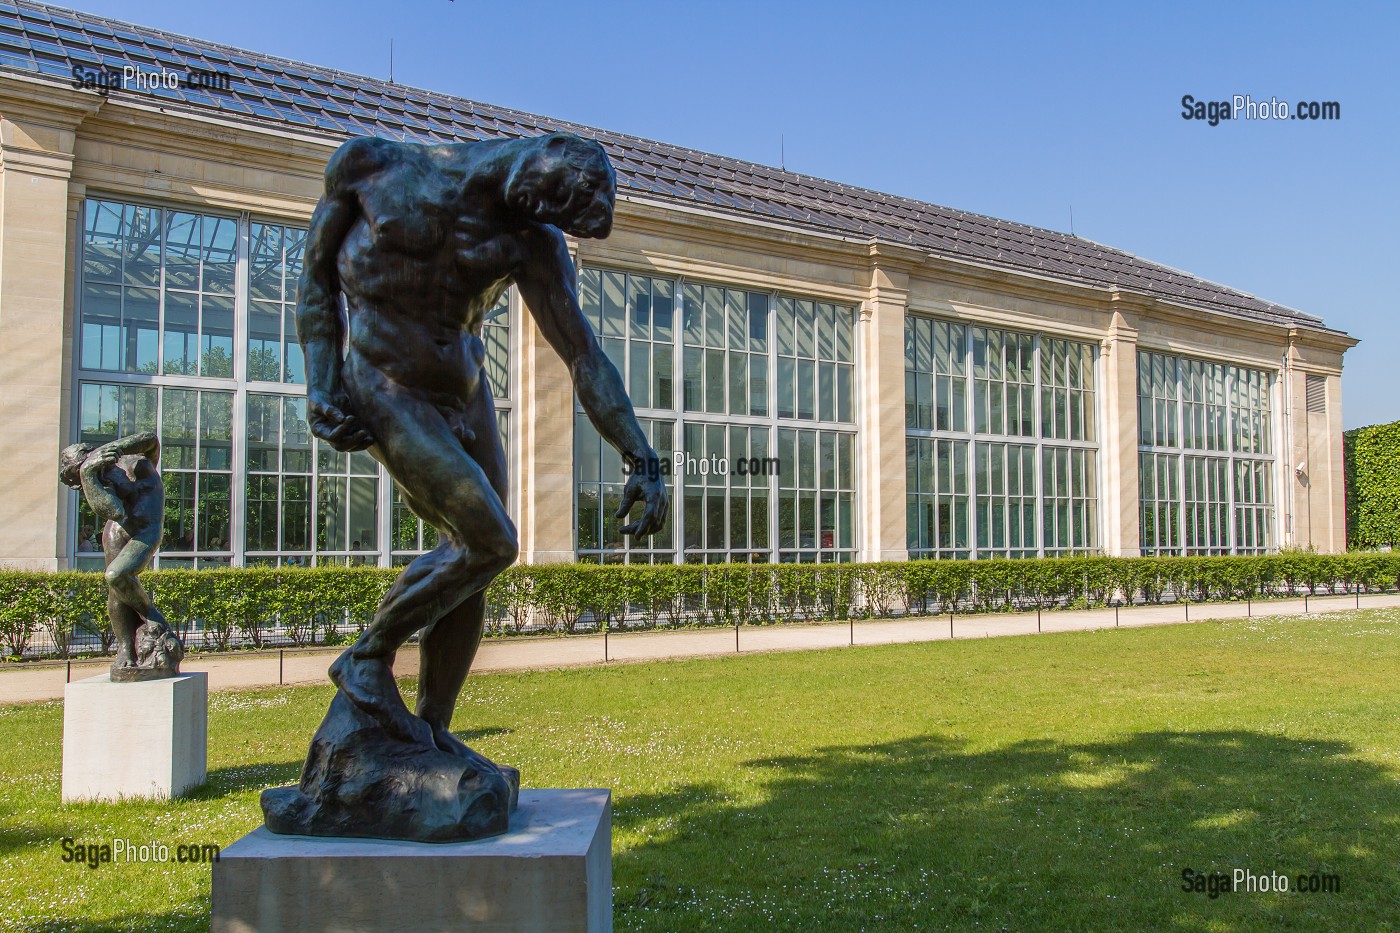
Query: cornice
point(1324, 340)
point(726, 230)
point(28, 99)
point(182, 134)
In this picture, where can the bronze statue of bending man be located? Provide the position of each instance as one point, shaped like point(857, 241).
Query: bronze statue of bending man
point(120, 481)
point(421, 240)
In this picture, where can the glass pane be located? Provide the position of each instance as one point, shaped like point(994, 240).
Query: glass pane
point(806, 389)
point(181, 333)
point(264, 341)
point(332, 507)
point(714, 316)
point(758, 322)
point(364, 513)
point(693, 386)
point(694, 315)
point(141, 316)
point(179, 426)
point(736, 312)
point(639, 375)
point(183, 246)
point(787, 376)
point(784, 325)
point(142, 254)
point(220, 254)
point(295, 368)
point(264, 421)
point(714, 381)
point(806, 329)
point(738, 383)
point(662, 309)
point(102, 316)
point(589, 516)
point(296, 513)
point(614, 308)
point(213, 511)
point(216, 358)
point(845, 336)
point(215, 430)
point(758, 384)
point(639, 307)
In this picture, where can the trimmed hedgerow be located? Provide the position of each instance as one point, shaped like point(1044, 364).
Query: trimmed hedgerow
point(47, 613)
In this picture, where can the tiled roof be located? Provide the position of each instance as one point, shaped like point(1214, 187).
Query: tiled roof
point(50, 41)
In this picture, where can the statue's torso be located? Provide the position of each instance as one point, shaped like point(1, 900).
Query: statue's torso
point(142, 494)
point(419, 270)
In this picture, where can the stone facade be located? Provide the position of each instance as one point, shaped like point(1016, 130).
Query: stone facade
point(59, 145)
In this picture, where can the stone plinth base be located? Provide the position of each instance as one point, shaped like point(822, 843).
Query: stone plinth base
point(552, 870)
point(144, 739)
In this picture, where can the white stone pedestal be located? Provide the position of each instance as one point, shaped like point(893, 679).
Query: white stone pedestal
point(551, 871)
point(144, 739)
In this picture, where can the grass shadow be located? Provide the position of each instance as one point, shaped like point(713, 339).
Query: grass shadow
point(1039, 834)
point(227, 782)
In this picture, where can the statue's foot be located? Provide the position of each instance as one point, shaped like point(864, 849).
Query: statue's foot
point(447, 742)
point(369, 684)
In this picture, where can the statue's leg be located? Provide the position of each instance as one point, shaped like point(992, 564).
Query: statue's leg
point(125, 622)
point(448, 489)
point(449, 645)
point(127, 602)
point(445, 656)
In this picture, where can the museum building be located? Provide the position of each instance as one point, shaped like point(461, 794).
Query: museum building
point(834, 373)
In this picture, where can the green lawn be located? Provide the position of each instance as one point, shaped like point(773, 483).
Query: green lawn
point(1054, 782)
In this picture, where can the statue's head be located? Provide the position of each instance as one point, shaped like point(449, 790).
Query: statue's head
point(567, 181)
point(70, 462)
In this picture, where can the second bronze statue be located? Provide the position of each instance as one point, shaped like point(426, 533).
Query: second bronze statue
point(122, 486)
point(419, 242)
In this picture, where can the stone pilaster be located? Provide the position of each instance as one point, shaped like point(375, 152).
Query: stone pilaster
point(37, 141)
point(1118, 454)
point(880, 406)
point(546, 450)
point(1313, 470)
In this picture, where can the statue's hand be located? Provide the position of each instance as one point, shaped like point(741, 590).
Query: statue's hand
point(652, 490)
point(102, 457)
point(333, 423)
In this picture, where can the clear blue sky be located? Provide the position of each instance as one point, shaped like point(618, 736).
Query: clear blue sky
point(1015, 110)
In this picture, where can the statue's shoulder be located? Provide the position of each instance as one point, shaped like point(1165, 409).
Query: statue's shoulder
point(360, 158)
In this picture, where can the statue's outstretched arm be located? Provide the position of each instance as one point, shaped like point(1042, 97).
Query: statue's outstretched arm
point(547, 285)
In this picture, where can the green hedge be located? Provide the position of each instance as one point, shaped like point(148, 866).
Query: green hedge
point(1372, 458)
point(263, 607)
